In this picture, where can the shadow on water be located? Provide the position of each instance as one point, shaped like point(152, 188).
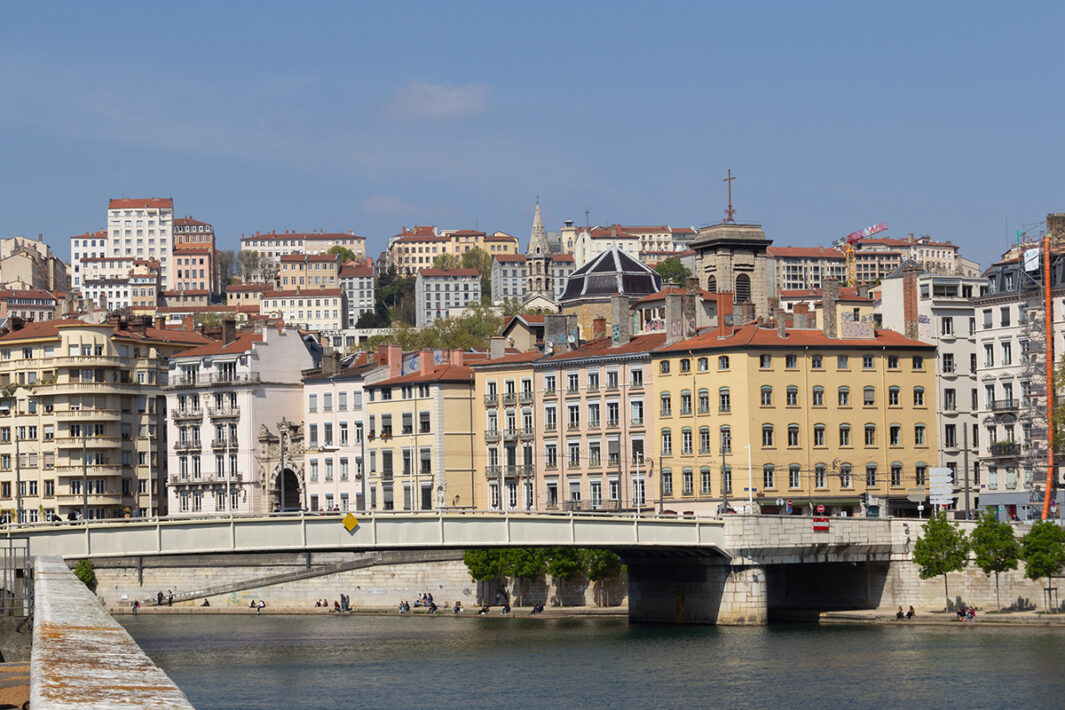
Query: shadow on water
point(469, 662)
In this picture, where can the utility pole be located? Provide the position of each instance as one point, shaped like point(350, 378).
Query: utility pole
point(84, 477)
point(965, 462)
point(149, 469)
point(18, 480)
point(281, 475)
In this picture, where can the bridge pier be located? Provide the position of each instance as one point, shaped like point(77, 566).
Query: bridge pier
point(696, 590)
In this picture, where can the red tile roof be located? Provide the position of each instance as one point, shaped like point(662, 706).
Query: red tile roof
point(140, 203)
point(511, 358)
point(305, 236)
point(562, 257)
point(675, 291)
point(348, 271)
point(449, 272)
point(242, 344)
point(751, 336)
point(50, 329)
point(605, 347)
point(466, 233)
point(247, 287)
point(186, 292)
point(846, 293)
point(500, 238)
point(309, 293)
point(444, 372)
point(423, 238)
point(805, 253)
point(512, 258)
point(189, 222)
point(192, 248)
point(310, 257)
point(102, 234)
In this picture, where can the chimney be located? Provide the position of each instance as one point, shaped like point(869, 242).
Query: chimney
point(160, 322)
point(457, 357)
point(829, 297)
point(229, 331)
point(382, 354)
point(330, 362)
point(395, 360)
point(674, 318)
point(426, 361)
point(725, 321)
point(909, 300)
point(497, 347)
point(620, 318)
point(557, 332)
point(691, 285)
point(188, 323)
point(801, 312)
point(598, 327)
point(782, 326)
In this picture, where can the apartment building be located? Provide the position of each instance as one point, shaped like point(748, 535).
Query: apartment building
point(90, 245)
point(194, 267)
point(142, 228)
point(308, 272)
point(800, 268)
point(938, 309)
point(413, 250)
point(246, 294)
point(29, 264)
point(509, 277)
point(1012, 348)
point(653, 238)
point(334, 447)
point(594, 435)
point(799, 415)
point(590, 243)
point(144, 293)
point(82, 418)
point(28, 305)
point(439, 291)
point(274, 245)
point(105, 281)
point(419, 434)
point(219, 397)
point(319, 310)
point(357, 283)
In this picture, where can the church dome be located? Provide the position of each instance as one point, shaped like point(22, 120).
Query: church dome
point(614, 271)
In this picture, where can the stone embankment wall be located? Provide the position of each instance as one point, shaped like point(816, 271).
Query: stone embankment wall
point(82, 658)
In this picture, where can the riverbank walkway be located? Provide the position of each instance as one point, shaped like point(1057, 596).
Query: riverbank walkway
point(945, 618)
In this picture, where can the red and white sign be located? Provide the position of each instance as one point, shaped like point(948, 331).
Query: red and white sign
point(789, 502)
point(820, 524)
point(820, 509)
point(855, 237)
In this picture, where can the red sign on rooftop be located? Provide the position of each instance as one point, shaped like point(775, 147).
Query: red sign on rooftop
point(855, 237)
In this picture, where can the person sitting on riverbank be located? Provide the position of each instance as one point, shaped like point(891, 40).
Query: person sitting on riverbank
point(206, 603)
point(252, 605)
point(432, 607)
point(336, 605)
point(458, 607)
point(970, 614)
point(505, 610)
point(899, 614)
point(484, 610)
point(538, 607)
point(136, 606)
point(962, 612)
point(911, 613)
point(259, 607)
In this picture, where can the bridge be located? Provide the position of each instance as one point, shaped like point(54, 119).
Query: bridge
point(728, 569)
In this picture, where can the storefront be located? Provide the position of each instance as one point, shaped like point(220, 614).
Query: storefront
point(1021, 505)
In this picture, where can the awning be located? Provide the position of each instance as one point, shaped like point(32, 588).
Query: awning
point(823, 500)
point(1018, 498)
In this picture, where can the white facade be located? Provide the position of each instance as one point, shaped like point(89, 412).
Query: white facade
point(333, 445)
point(509, 278)
point(218, 399)
point(320, 310)
point(91, 245)
point(591, 243)
point(357, 283)
point(439, 292)
point(143, 229)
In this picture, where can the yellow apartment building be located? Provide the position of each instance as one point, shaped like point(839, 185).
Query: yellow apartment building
point(826, 420)
point(419, 437)
point(82, 418)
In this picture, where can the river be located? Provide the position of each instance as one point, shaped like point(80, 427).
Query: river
point(244, 661)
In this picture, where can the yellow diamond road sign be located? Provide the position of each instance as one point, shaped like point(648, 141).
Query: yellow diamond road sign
point(350, 522)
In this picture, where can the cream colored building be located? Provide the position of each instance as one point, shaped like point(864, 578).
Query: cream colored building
point(320, 310)
point(143, 228)
point(82, 418)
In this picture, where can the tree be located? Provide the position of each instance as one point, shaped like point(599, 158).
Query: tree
point(446, 261)
point(672, 270)
point(482, 564)
point(482, 261)
point(523, 564)
point(564, 563)
point(344, 253)
point(1043, 551)
point(942, 548)
point(601, 564)
point(250, 263)
point(995, 547)
point(85, 571)
point(227, 264)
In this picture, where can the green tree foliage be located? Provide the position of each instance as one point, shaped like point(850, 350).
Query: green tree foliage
point(564, 563)
point(446, 261)
point(470, 331)
point(344, 253)
point(227, 265)
point(601, 564)
point(995, 547)
point(672, 270)
point(1043, 550)
point(523, 562)
point(482, 564)
point(85, 571)
point(482, 261)
point(941, 549)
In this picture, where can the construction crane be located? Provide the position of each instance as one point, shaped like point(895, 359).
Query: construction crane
point(848, 245)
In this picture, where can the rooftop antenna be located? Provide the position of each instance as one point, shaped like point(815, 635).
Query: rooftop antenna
point(729, 211)
point(586, 222)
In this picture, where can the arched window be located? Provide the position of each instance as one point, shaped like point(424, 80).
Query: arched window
point(767, 396)
point(845, 478)
point(667, 442)
point(820, 476)
point(844, 396)
point(704, 481)
point(685, 365)
point(894, 435)
point(870, 475)
point(726, 440)
point(793, 476)
point(893, 396)
point(918, 435)
point(870, 434)
point(819, 434)
point(667, 404)
point(663, 367)
point(711, 284)
point(767, 435)
point(722, 362)
point(792, 396)
point(686, 441)
point(844, 434)
point(869, 396)
point(918, 396)
point(743, 288)
point(724, 401)
point(704, 364)
point(818, 399)
point(767, 476)
point(793, 434)
point(689, 485)
point(896, 474)
point(686, 402)
point(704, 401)
point(704, 440)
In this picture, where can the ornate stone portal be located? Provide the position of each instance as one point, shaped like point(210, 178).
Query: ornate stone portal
point(281, 474)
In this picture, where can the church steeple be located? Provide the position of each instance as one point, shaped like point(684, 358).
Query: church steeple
point(538, 245)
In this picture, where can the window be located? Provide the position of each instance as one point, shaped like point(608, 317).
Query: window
point(724, 403)
point(686, 442)
point(844, 434)
point(920, 472)
point(689, 487)
point(819, 434)
point(793, 435)
point(918, 362)
point(841, 362)
point(704, 481)
point(663, 367)
point(950, 436)
point(767, 396)
point(704, 440)
point(791, 361)
point(667, 408)
point(704, 364)
point(893, 396)
point(685, 365)
point(867, 362)
point(793, 475)
point(686, 402)
point(767, 476)
point(817, 362)
point(918, 396)
point(896, 474)
point(704, 401)
point(870, 475)
point(726, 479)
point(948, 363)
point(722, 362)
point(895, 435)
point(845, 478)
point(918, 435)
point(726, 440)
point(946, 325)
point(844, 396)
point(949, 400)
point(893, 362)
point(667, 481)
point(818, 398)
point(870, 434)
point(765, 361)
point(869, 396)
point(1007, 354)
point(792, 398)
point(767, 435)
point(820, 476)
point(667, 442)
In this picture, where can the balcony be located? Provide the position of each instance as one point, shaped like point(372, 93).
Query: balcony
point(637, 421)
point(223, 412)
point(491, 436)
point(510, 399)
point(75, 469)
point(109, 415)
point(551, 466)
point(214, 378)
point(493, 472)
point(187, 445)
point(551, 426)
point(1005, 449)
point(636, 385)
point(227, 443)
point(89, 442)
point(573, 426)
point(525, 397)
point(526, 433)
point(87, 361)
point(613, 423)
point(550, 391)
point(594, 424)
point(491, 400)
point(1004, 405)
point(179, 414)
point(91, 499)
point(611, 387)
point(593, 388)
point(613, 461)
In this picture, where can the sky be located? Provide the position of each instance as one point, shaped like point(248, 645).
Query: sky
point(937, 118)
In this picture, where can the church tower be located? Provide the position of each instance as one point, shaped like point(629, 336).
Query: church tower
point(538, 260)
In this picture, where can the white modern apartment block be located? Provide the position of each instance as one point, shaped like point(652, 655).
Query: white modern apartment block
point(509, 277)
point(219, 397)
point(590, 243)
point(319, 310)
point(142, 228)
point(333, 445)
point(437, 292)
point(91, 245)
point(1012, 350)
point(945, 317)
point(357, 283)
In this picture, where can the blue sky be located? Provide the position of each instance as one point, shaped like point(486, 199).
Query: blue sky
point(938, 118)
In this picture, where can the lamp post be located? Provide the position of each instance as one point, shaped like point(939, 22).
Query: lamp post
point(149, 469)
